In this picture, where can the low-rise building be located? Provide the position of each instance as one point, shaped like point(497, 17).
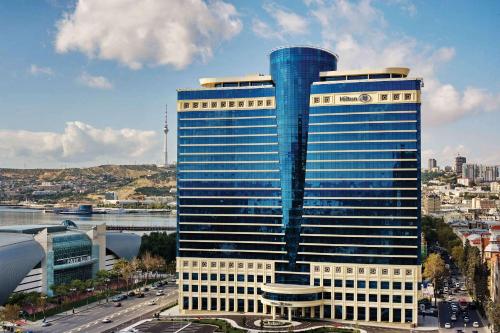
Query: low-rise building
point(49, 255)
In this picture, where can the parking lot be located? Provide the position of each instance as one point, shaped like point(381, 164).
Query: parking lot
point(174, 326)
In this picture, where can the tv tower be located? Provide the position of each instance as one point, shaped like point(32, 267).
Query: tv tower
point(165, 130)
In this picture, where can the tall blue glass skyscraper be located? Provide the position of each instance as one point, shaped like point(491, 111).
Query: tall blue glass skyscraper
point(299, 191)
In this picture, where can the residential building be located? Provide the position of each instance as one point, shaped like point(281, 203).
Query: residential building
point(459, 161)
point(299, 192)
point(431, 204)
point(432, 164)
point(495, 187)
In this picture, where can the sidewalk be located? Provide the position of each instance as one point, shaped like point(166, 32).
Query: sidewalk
point(427, 323)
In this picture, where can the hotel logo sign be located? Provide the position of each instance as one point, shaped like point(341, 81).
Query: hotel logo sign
point(74, 260)
point(363, 98)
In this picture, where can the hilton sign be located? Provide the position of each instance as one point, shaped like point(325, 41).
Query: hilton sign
point(363, 98)
point(74, 260)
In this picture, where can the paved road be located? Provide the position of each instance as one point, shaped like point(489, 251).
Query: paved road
point(175, 326)
point(89, 321)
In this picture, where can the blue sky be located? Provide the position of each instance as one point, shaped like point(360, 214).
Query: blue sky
point(85, 82)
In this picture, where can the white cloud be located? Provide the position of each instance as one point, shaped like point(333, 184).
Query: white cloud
point(286, 23)
point(39, 70)
point(97, 82)
point(154, 32)
point(359, 33)
point(79, 143)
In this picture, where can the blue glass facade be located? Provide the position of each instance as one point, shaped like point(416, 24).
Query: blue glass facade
point(304, 173)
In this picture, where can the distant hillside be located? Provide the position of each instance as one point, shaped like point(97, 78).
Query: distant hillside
point(129, 181)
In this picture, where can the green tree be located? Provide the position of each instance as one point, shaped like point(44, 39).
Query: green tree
point(159, 244)
point(123, 268)
point(11, 312)
point(493, 311)
point(457, 253)
point(435, 270)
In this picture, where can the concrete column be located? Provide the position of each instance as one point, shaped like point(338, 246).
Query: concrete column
point(303, 311)
point(273, 312)
point(289, 313)
point(312, 312)
point(321, 311)
point(282, 311)
point(264, 308)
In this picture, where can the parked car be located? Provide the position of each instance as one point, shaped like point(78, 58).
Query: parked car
point(466, 319)
point(140, 295)
point(46, 324)
point(160, 292)
point(453, 317)
point(106, 320)
point(447, 325)
point(475, 324)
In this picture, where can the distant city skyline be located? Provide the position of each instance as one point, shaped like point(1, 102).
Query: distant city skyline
point(79, 90)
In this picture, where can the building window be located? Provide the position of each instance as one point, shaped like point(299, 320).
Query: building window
point(213, 277)
point(241, 104)
point(240, 265)
point(204, 276)
point(194, 264)
point(222, 289)
point(372, 284)
point(408, 272)
point(326, 99)
point(259, 266)
point(222, 264)
point(231, 265)
point(385, 271)
point(396, 285)
point(214, 104)
point(194, 288)
point(194, 276)
point(395, 97)
point(241, 278)
point(223, 104)
point(232, 104)
point(349, 283)
point(250, 103)
point(396, 298)
point(384, 298)
point(373, 298)
point(361, 270)
point(204, 105)
point(213, 289)
point(185, 276)
point(384, 285)
point(260, 278)
point(231, 277)
point(338, 269)
point(408, 286)
point(316, 100)
point(349, 297)
point(361, 297)
point(407, 97)
point(186, 105)
point(231, 290)
point(361, 284)
point(185, 287)
point(268, 279)
point(269, 102)
point(327, 269)
point(349, 270)
point(204, 264)
point(185, 263)
point(408, 299)
point(316, 268)
point(373, 271)
point(250, 290)
point(250, 265)
point(223, 277)
point(383, 97)
point(397, 271)
point(203, 288)
point(240, 290)
point(268, 266)
point(250, 278)
point(337, 296)
point(260, 103)
point(327, 282)
point(195, 105)
point(338, 283)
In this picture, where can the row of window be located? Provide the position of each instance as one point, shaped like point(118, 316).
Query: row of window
point(361, 284)
point(363, 270)
point(339, 311)
point(248, 103)
point(373, 298)
point(222, 264)
point(227, 277)
point(221, 289)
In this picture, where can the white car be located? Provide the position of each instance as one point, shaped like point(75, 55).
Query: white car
point(457, 285)
point(106, 320)
point(160, 293)
point(475, 324)
point(453, 318)
point(153, 301)
point(447, 325)
point(130, 330)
